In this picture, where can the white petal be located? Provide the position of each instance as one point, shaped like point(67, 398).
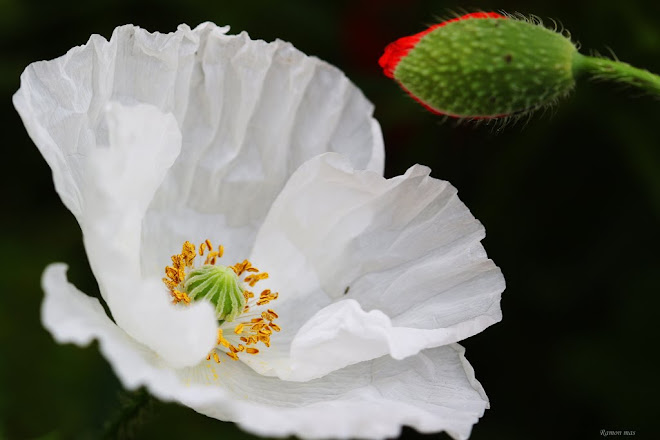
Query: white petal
point(406, 247)
point(433, 391)
point(122, 181)
point(250, 113)
point(255, 112)
point(71, 316)
point(118, 182)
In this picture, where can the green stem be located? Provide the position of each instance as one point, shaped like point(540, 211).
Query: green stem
point(135, 408)
point(618, 72)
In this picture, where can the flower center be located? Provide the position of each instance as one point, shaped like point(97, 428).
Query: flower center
point(243, 319)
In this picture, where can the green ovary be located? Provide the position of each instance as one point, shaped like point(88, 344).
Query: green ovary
point(488, 67)
point(220, 286)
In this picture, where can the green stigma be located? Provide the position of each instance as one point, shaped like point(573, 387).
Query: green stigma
point(219, 285)
point(488, 67)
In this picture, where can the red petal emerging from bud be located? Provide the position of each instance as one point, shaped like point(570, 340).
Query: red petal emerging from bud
point(400, 48)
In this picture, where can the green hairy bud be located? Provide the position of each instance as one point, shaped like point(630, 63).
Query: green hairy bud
point(488, 65)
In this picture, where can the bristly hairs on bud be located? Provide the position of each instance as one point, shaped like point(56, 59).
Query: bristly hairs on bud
point(487, 74)
point(499, 67)
point(524, 117)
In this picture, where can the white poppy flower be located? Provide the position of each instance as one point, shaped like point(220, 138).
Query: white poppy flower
point(156, 140)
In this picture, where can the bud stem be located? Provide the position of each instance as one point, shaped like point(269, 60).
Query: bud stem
point(616, 71)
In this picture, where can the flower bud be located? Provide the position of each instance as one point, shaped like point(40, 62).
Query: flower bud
point(220, 286)
point(483, 65)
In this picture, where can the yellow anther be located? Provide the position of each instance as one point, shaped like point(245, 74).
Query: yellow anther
point(221, 339)
point(233, 349)
point(251, 350)
point(265, 339)
point(210, 258)
point(274, 326)
point(216, 358)
point(202, 248)
point(266, 297)
point(208, 244)
point(268, 316)
point(234, 356)
point(171, 273)
point(188, 254)
point(239, 328)
point(179, 296)
point(239, 268)
point(255, 278)
point(240, 348)
point(221, 251)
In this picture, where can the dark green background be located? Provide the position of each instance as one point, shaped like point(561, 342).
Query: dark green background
point(571, 204)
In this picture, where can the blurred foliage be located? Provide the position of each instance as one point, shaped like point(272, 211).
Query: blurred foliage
point(570, 201)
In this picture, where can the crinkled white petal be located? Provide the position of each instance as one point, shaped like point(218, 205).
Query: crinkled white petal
point(394, 266)
point(255, 112)
point(250, 113)
point(433, 391)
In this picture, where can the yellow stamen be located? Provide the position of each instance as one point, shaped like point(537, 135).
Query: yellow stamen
point(265, 339)
point(221, 340)
point(251, 350)
point(211, 257)
point(179, 296)
point(266, 296)
point(188, 253)
point(234, 356)
point(241, 267)
point(253, 279)
point(239, 328)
